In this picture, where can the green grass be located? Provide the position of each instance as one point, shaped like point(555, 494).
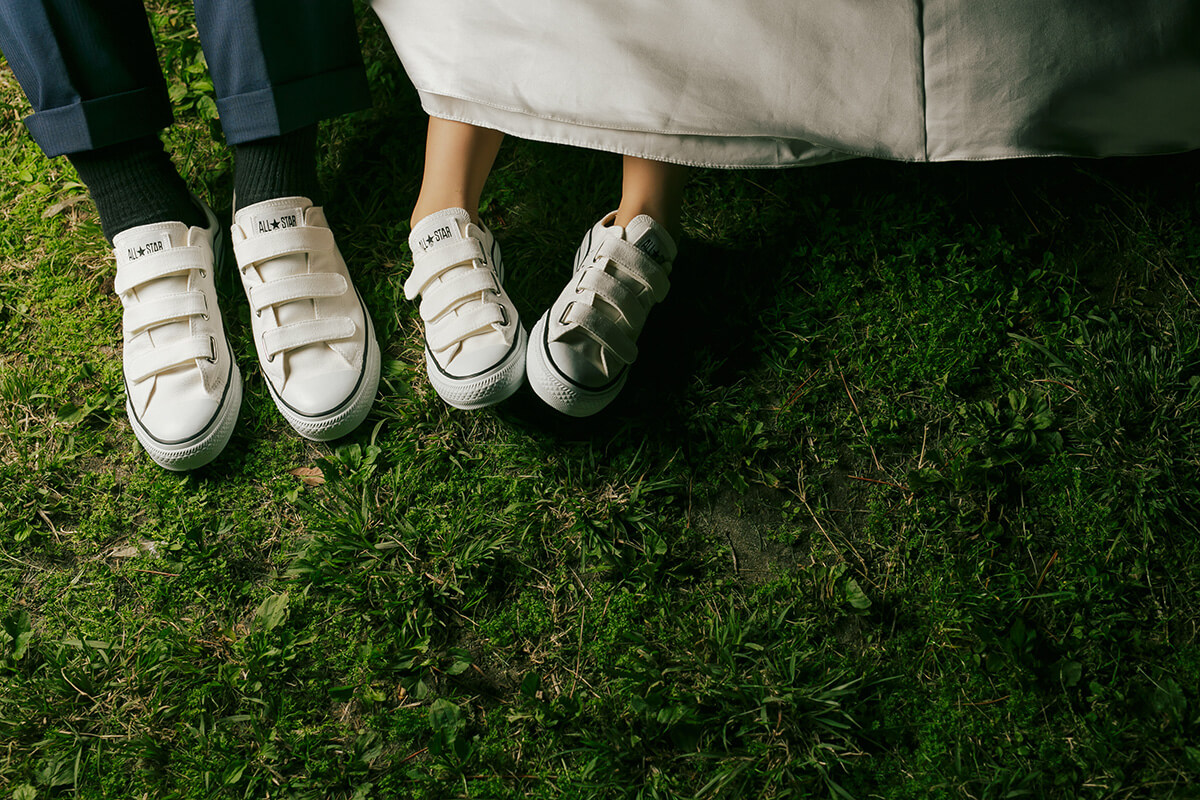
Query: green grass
point(911, 514)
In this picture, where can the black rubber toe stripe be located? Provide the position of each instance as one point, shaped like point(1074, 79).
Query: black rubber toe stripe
point(568, 378)
point(203, 431)
point(357, 384)
point(507, 356)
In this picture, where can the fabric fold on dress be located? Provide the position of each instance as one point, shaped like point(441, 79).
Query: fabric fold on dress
point(783, 82)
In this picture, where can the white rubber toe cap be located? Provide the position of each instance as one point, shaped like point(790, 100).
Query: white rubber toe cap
point(315, 395)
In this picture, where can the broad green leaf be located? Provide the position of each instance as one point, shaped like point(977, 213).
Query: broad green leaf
point(855, 596)
point(271, 612)
point(20, 632)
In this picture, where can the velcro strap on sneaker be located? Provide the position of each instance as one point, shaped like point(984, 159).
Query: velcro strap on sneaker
point(445, 296)
point(296, 287)
point(284, 243)
point(623, 299)
point(637, 264)
point(142, 363)
point(454, 328)
point(170, 308)
point(133, 274)
point(600, 328)
point(444, 257)
point(301, 334)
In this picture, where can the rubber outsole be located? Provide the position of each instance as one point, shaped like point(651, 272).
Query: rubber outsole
point(554, 390)
point(351, 413)
point(202, 449)
point(487, 389)
point(206, 446)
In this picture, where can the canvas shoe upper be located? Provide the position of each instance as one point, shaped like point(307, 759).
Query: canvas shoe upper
point(316, 344)
point(582, 347)
point(474, 342)
point(183, 389)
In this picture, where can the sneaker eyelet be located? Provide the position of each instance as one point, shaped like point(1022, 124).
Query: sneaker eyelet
point(203, 273)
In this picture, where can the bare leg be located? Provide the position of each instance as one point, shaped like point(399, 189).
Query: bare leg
point(475, 343)
point(458, 160)
point(580, 348)
point(654, 188)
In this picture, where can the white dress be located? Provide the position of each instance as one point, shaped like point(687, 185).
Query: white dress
point(780, 82)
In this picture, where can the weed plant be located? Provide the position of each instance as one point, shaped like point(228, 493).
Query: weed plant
point(901, 501)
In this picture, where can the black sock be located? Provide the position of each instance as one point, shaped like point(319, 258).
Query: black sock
point(279, 166)
point(134, 183)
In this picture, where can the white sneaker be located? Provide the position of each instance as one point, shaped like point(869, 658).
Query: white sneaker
point(315, 341)
point(474, 342)
point(182, 387)
point(581, 349)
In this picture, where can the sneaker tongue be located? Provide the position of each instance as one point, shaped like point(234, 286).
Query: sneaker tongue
point(651, 238)
point(135, 244)
point(445, 225)
point(274, 217)
point(138, 243)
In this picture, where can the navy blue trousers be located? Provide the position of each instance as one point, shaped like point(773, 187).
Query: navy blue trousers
point(91, 72)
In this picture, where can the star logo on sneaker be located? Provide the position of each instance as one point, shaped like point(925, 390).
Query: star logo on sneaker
point(282, 221)
point(147, 248)
point(649, 246)
point(440, 235)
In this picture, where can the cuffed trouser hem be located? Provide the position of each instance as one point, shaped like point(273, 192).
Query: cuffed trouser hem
point(99, 122)
point(287, 107)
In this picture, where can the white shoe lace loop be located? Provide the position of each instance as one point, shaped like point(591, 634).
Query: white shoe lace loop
point(301, 334)
point(293, 241)
point(296, 287)
point(143, 361)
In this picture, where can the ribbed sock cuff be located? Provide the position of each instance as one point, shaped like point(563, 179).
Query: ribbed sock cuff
point(278, 166)
point(134, 183)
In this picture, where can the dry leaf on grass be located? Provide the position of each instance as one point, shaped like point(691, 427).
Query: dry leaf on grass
point(63, 205)
point(309, 476)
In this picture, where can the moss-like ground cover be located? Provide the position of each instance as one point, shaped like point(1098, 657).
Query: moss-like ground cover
point(901, 501)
